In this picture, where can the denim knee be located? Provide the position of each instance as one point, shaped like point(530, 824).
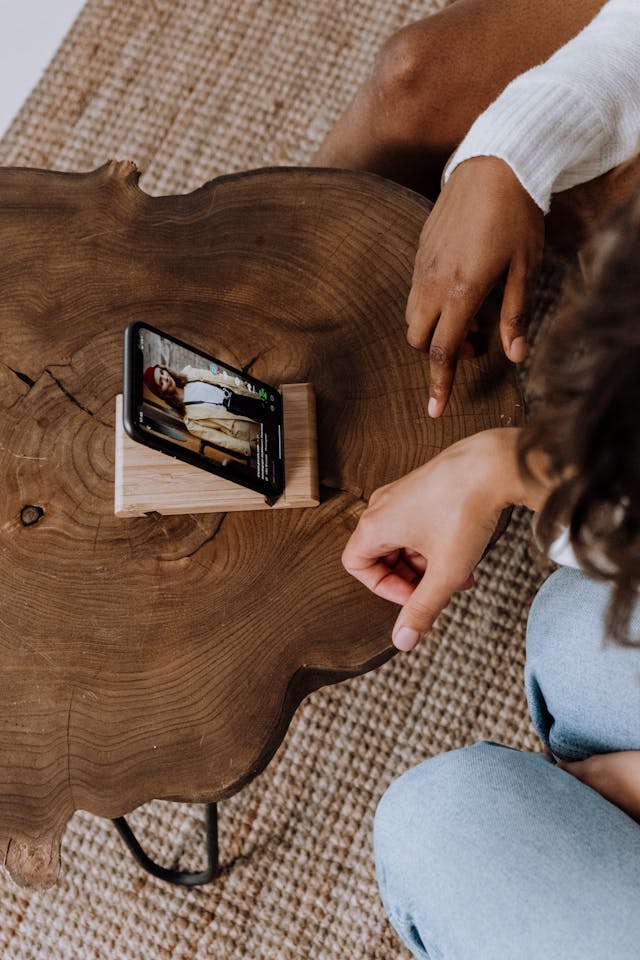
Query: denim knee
point(583, 689)
point(423, 840)
point(489, 853)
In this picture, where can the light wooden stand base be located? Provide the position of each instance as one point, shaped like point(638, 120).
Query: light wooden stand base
point(147, 480)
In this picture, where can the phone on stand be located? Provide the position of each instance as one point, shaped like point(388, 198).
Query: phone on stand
point(187, 404)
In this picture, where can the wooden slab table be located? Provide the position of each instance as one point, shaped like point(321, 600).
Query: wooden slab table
point(163, 657)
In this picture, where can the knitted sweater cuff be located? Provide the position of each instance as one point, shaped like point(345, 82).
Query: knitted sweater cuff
point(571, 118)
point(542, 132)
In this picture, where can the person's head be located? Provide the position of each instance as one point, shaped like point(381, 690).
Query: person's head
point(166, 384)
point(586, 377)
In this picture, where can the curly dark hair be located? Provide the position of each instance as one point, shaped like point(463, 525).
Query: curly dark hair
point(586, 416)
point(180, 381)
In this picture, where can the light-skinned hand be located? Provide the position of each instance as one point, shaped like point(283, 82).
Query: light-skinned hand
point(421, 536)
point(483, 226)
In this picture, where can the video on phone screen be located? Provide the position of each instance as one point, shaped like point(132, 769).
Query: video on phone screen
point(208, 408)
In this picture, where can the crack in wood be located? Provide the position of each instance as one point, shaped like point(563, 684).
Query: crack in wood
point(68, 740)
point(23, 376)
point(68, 393)
point(75, 400)
point(31, 382)
point(247, 366)
point(329, 489)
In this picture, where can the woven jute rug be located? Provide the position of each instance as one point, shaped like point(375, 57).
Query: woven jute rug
point(191, 89)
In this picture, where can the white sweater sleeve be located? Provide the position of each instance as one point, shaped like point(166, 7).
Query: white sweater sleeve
point(573, 117)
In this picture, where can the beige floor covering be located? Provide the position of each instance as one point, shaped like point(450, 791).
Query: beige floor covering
point(191, 89)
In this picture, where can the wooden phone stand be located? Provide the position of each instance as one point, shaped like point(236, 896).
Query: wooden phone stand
point(147, 480)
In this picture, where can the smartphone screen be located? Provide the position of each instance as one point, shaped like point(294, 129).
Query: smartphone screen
point(188, 404)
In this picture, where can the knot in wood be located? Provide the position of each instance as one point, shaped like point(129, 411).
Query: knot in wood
point(30, 514)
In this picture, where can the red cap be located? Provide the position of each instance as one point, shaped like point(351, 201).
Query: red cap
point(149, 377)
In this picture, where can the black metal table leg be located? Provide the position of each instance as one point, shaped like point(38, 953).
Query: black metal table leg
point(183, 878)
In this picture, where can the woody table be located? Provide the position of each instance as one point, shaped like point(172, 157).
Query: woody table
point(163, 656)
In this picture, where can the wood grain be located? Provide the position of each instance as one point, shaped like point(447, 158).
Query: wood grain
point(164, 656)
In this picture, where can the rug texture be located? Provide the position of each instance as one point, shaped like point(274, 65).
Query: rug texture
point(191, 89)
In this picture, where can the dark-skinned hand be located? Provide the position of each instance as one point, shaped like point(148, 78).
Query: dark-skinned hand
point(483, 226)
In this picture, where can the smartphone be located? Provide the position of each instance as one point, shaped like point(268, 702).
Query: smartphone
point(182, 401)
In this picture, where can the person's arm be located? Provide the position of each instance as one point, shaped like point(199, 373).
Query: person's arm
point(572, 118)
point(559, 124)
point(420, 538)
point(616, 776)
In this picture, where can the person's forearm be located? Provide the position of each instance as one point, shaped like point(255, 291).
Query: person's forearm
point(572, 118)
point(529, 491)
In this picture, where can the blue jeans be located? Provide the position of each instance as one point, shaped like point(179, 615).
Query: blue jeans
point(488, 853)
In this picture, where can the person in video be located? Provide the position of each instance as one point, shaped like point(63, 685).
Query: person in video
point(214, 408)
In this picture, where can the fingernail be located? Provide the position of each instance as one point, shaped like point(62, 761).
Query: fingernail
point(432, 409)
point(518, 350)
point(406, 638)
